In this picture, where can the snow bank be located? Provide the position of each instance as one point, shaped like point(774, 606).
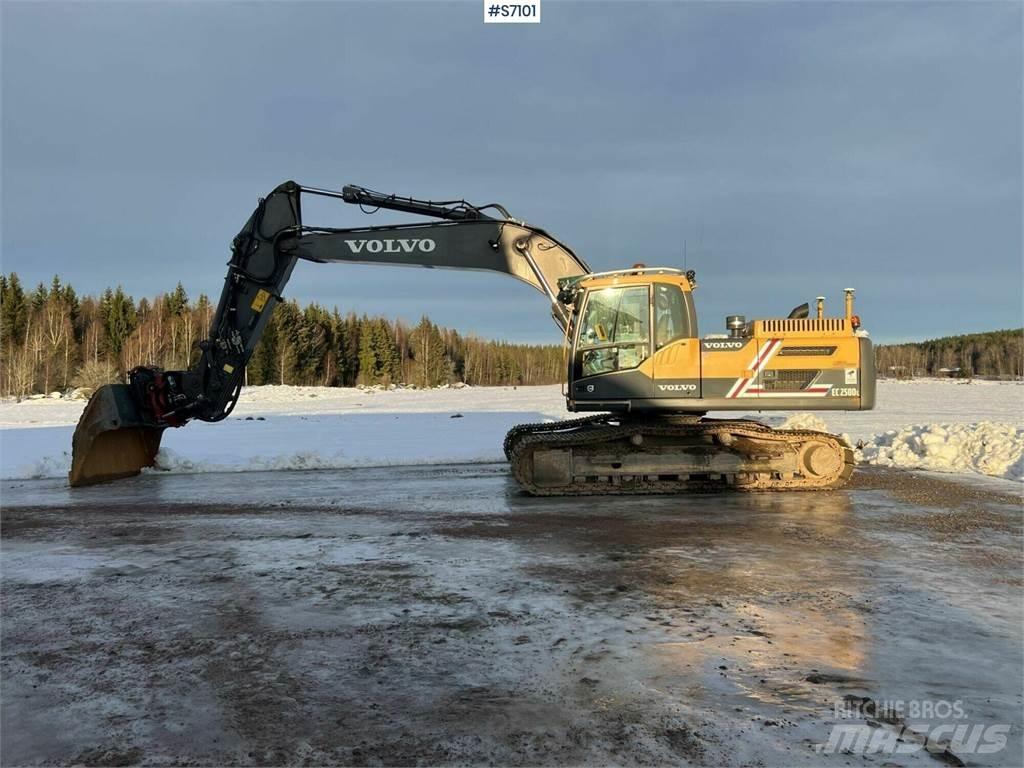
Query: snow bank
point(966, 428)
point(986, 447)
point(302, 428)
point(804, 421)
point(337, 441)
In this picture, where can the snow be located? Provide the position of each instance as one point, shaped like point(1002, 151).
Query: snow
point(284, 427)
point(942, 425)
point(988, 448)
point(799, 421)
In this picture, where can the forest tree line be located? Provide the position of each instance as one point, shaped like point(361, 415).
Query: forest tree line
point(995, 353)
point(52, 339)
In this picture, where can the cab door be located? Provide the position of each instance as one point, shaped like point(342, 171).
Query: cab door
point(676, 346)
point(613, 342)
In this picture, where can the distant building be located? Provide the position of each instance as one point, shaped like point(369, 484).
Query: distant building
point(951, 373)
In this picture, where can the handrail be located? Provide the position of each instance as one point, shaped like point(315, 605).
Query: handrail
point(634, 271)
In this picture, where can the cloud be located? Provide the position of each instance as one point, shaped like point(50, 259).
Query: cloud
point(793, 148)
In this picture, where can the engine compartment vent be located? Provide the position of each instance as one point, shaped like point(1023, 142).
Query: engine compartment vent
point(793, 380)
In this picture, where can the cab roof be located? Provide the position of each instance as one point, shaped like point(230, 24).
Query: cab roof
point(642, 275)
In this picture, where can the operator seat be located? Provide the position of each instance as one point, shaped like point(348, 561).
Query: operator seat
point(663, 333)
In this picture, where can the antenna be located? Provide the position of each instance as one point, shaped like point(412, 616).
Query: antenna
point(684, 254)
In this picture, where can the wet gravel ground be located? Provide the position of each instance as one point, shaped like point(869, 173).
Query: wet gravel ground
point(436, 615)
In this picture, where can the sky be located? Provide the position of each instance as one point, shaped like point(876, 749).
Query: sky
point(789, 150)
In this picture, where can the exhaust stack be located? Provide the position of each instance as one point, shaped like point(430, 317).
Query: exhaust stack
point(735, 325)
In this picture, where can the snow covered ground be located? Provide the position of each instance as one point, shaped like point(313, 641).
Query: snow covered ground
point(949, 426)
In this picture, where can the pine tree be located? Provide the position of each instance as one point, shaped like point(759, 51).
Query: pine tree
point(431, 363)
point(176, 302)
point(119, 320)
point(312, 345)
point(13, 322)
point(336, 372)
point(261, 368)
point(349, 349)
point(13, 311)
point(388, 359)
point(367, 354)
point(288, 318)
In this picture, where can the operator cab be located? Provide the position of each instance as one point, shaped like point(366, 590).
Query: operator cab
point(620, 320)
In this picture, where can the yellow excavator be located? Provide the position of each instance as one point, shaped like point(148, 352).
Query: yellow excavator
point(635, 361)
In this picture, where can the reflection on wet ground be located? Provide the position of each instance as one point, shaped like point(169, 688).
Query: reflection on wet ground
point(435, 614)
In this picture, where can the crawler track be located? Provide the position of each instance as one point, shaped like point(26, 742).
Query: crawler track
point(548, 427)
point(603, 454)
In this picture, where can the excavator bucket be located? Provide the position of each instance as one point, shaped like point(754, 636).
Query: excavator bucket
point(113, 439)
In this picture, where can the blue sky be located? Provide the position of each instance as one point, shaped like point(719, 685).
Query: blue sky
point(794, 148)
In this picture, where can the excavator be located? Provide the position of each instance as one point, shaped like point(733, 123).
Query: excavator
point(636, 365)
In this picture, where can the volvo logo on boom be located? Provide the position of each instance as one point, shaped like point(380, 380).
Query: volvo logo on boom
point(400, 245)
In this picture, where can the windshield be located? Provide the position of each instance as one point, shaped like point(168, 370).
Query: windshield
point(615, 331)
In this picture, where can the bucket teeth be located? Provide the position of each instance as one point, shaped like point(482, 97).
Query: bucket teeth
point(113, 438)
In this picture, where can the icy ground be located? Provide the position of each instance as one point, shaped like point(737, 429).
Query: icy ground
point(949, 426)
point(434, 616)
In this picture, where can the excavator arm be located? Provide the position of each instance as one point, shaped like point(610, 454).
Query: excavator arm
point(119, 431)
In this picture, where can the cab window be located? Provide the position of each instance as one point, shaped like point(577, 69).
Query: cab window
point(615, 331)
point(671, 318)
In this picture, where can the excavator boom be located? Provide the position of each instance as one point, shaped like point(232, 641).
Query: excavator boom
point(120, 430)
